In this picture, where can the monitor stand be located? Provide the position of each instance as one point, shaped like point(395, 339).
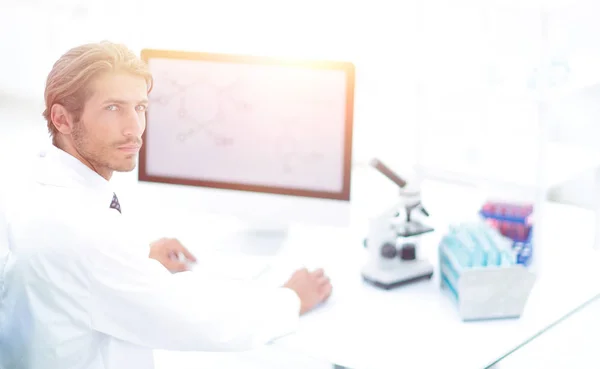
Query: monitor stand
point(243, 254)
point(260, 240)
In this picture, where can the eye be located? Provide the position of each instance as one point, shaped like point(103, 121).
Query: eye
point(141, 108)
point(112, 107)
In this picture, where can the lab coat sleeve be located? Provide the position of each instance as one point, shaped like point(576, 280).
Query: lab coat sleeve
point(137, 300)
point(4, 249)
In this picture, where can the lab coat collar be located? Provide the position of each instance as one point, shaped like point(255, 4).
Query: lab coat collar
point(60, 169)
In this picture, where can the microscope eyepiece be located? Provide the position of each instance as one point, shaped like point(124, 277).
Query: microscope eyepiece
point(386, 171)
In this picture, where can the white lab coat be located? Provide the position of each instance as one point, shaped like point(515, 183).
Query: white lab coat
point(78, 291)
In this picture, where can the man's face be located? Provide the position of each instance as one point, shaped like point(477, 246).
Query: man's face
point(109, 133)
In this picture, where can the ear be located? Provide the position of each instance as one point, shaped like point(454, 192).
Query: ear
point(62, 119)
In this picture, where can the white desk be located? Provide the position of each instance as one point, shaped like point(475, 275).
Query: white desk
point(418, 326)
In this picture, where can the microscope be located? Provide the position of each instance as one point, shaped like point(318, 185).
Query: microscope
point(394, 237)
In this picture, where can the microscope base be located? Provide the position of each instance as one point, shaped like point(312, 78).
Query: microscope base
point(406, 272)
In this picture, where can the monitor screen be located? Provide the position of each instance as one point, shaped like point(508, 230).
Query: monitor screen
point(249, 123)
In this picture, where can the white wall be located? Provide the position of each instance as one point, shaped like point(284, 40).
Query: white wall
point(22, 130)
point(385, 95)
point(459, 50)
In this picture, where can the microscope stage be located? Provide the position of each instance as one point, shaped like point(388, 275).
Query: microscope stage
point(405, 272)
point(412, 229)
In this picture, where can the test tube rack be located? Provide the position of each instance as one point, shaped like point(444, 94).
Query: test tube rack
point(493, 292)
point(482, 293)
point(513, 221)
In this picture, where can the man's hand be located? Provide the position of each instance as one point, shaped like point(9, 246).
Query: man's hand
point(167, 251)
point(311, 287)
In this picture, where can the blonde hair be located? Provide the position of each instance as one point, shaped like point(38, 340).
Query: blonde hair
point(68, 82)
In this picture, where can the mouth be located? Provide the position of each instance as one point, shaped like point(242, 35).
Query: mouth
point(130, 148)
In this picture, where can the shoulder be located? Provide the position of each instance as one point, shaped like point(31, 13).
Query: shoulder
point(51, 218)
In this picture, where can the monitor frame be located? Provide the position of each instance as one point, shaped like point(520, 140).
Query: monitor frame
point(347, 67)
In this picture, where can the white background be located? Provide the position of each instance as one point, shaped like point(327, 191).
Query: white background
point(460, 71)
point(465, 53)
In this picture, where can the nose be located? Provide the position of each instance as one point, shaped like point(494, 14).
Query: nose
point(134, 123)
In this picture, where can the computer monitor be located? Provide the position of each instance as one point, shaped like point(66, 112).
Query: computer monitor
point(268, 140)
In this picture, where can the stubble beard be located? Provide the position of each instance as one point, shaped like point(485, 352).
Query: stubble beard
point(99, 158)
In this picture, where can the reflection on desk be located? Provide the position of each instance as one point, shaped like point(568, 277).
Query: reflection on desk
point(572, 342)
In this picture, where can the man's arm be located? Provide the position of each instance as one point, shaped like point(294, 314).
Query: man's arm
point(4, 249)
point(137, 300)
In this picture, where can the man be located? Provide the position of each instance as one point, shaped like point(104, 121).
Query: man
point(76, 288)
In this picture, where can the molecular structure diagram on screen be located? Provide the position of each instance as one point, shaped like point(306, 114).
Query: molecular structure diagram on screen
point(292, 160)
point(209, 127)
point(297, 153)
point(294, 153)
